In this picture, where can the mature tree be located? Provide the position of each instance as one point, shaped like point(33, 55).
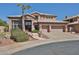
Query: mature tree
point(23, 8)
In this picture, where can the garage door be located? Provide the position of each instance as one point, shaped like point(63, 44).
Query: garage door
point(53, 28)
point(44, 28)
point(57, 28)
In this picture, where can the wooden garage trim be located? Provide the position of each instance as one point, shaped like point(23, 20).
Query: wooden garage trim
point(44, 26)
point(57, 27)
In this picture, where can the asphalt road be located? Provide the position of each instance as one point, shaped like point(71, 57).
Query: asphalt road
point(61, 48)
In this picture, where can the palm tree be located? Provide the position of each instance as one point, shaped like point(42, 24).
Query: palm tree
point(23, 8)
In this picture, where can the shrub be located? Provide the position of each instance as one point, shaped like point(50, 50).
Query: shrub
point(35, 31)
point(19, 36)
point(2, 35)
point(6, 29)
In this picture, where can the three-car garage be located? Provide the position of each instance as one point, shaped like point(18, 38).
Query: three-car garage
point(53, 27)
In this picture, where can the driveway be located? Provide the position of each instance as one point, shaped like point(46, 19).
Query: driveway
point(61, 35)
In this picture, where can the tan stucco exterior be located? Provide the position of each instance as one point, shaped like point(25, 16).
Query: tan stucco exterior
point(76, 28)
point(73, 24)
point(45, 21)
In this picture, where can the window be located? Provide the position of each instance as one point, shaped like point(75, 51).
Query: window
point(71, 20)
point(49, 17)
point(27, 23)
point(36, 17)
point(15, 24)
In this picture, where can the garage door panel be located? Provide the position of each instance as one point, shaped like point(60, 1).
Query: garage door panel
point(57, 28)
point(53, 28)
point(44, 28)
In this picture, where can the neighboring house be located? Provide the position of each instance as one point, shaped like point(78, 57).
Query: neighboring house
point(36, 20)
point(2, 29)
point(73, 24)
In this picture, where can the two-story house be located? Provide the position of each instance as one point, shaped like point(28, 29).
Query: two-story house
point(73, 24)
point(36, 20)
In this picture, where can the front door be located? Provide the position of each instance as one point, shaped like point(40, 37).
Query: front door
point(28, 25)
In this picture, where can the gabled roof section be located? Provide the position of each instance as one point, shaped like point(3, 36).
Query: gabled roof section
point(18, 16)
point(14, 16)
point(43, 14)
point(30, 15)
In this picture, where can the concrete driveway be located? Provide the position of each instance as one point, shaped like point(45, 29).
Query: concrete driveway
point(61, 35)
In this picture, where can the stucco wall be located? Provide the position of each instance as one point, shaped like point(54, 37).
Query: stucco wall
point(76, 27)
point(47, 18)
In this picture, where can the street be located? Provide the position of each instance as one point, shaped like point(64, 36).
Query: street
point(61, 48)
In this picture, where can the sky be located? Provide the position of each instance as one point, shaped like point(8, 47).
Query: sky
point(59, 9)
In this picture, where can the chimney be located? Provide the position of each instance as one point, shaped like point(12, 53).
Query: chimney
point(65, 17)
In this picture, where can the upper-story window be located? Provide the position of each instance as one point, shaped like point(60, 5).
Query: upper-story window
point(36, 17)
point(75, 19)
point(48, 17)
point(71, 20)
point(27, 23)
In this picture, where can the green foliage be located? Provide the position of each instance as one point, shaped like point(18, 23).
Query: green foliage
point(19, 4)
point(35, 31)
point(19, 36)
point(3, 23)
point(6, 29)
point(2, 35)
point(24, 7)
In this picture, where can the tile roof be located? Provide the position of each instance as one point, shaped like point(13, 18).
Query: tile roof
point(15, 16)
point(32, 15)
point(43, 14)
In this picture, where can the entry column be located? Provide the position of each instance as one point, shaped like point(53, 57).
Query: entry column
point(10, 25)
point(23, 25)
point(49, 28)
point(32, 26)
point(40, 27)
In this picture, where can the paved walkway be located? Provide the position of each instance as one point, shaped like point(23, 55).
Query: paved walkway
point(54, 37)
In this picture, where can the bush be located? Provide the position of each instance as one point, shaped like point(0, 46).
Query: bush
point(2, 35)
point(35, 31)
point(19, 36)
point(6, 29)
